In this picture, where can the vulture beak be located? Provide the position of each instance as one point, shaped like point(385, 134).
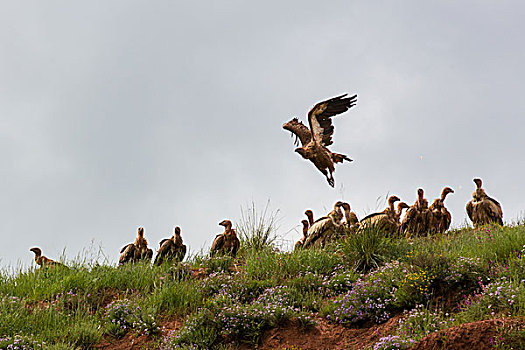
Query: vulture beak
point(224, 223)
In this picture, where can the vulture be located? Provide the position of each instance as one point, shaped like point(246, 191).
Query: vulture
point(300, 242)
point(440, 217)
point(137, 250)
point(416, 220)
point(43, 261)
point(324, 227)
point(171, 248)
point(483, 209)
point(399, 212)
point(386, 220)
point(351, 223)
point(318, 137)
point(226, 242)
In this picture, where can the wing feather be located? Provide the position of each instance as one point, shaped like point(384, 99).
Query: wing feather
point(300, 130)
point(320, 116)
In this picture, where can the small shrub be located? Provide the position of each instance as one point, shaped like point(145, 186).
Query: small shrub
point(124, 315)
point(393, 342)
point(20, 342)
point(421, 321)
point(366, 249)
point(257, 229)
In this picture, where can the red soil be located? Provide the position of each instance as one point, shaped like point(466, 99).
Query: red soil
point(479, 335)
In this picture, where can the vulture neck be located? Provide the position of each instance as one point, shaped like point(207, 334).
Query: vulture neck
point(347, 216)
point(310, 216)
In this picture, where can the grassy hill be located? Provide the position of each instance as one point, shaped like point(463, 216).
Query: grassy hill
point(366, 291)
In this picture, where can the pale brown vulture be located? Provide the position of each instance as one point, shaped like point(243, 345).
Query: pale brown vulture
point(399, 212)
point(483, 209)
point(318, 137)
point(227, 242)
point(300, 242)
point(171, 248)
point(43, 261)
point(417, 217)
point(440, 217)
point(324, 227)
point(385, 221)
point(137, 250)
point(351, 223)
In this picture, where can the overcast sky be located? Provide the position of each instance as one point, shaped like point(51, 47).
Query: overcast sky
point(120, 114)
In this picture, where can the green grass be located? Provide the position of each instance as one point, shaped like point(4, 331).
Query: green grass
point(67, 307)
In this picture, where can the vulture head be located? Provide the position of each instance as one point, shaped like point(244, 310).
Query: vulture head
point(305, 227)
point(420, 193)
point(302, 152)
point(310, 215)
point(393, 199)
point(176, 230)
point(226, 223)
point(346, 207)
point(338, 204)
point(446, 191)
point(140, 232)
point(478, 182)
point(36, 250)
point(402, 205)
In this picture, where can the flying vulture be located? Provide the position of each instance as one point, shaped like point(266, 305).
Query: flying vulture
point(318, 137)
point(440, 217)
point(137, 250)
point(171, 248)
point(226, 242)
point(43, 261)
point(483, 209)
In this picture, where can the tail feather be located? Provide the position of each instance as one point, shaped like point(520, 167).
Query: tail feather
point(339, 158)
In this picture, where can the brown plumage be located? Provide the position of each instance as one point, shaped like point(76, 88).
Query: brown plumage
point(351, 223)
point(440, 217)
point(417, 217)
point(321, 230)
point(399, 212)
point(385, 221)
point(300, 242)
point(171, 248)
point(310, 215)
point(226, 242)
point(483, 209)
point(318, 137)
point(137, 250)
point(43, 261)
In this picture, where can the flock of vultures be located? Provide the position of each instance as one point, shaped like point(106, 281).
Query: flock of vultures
point(419, 219)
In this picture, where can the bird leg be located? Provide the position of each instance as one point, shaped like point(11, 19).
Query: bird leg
point(330, 180)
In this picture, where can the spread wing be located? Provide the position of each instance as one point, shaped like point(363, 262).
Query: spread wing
point(301, 131)
point(320, 116)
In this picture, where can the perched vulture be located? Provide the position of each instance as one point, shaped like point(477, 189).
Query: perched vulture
point(440, 217)
point(226, 242)
point(171, 248)
point(351, 223)
point(417, 218)
point(386, 220)
point(324, 227)
point(483, 209)
point(137, 250)
point(318, 137)
point(43, 261)
point(300, 242)
point(399, 212)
